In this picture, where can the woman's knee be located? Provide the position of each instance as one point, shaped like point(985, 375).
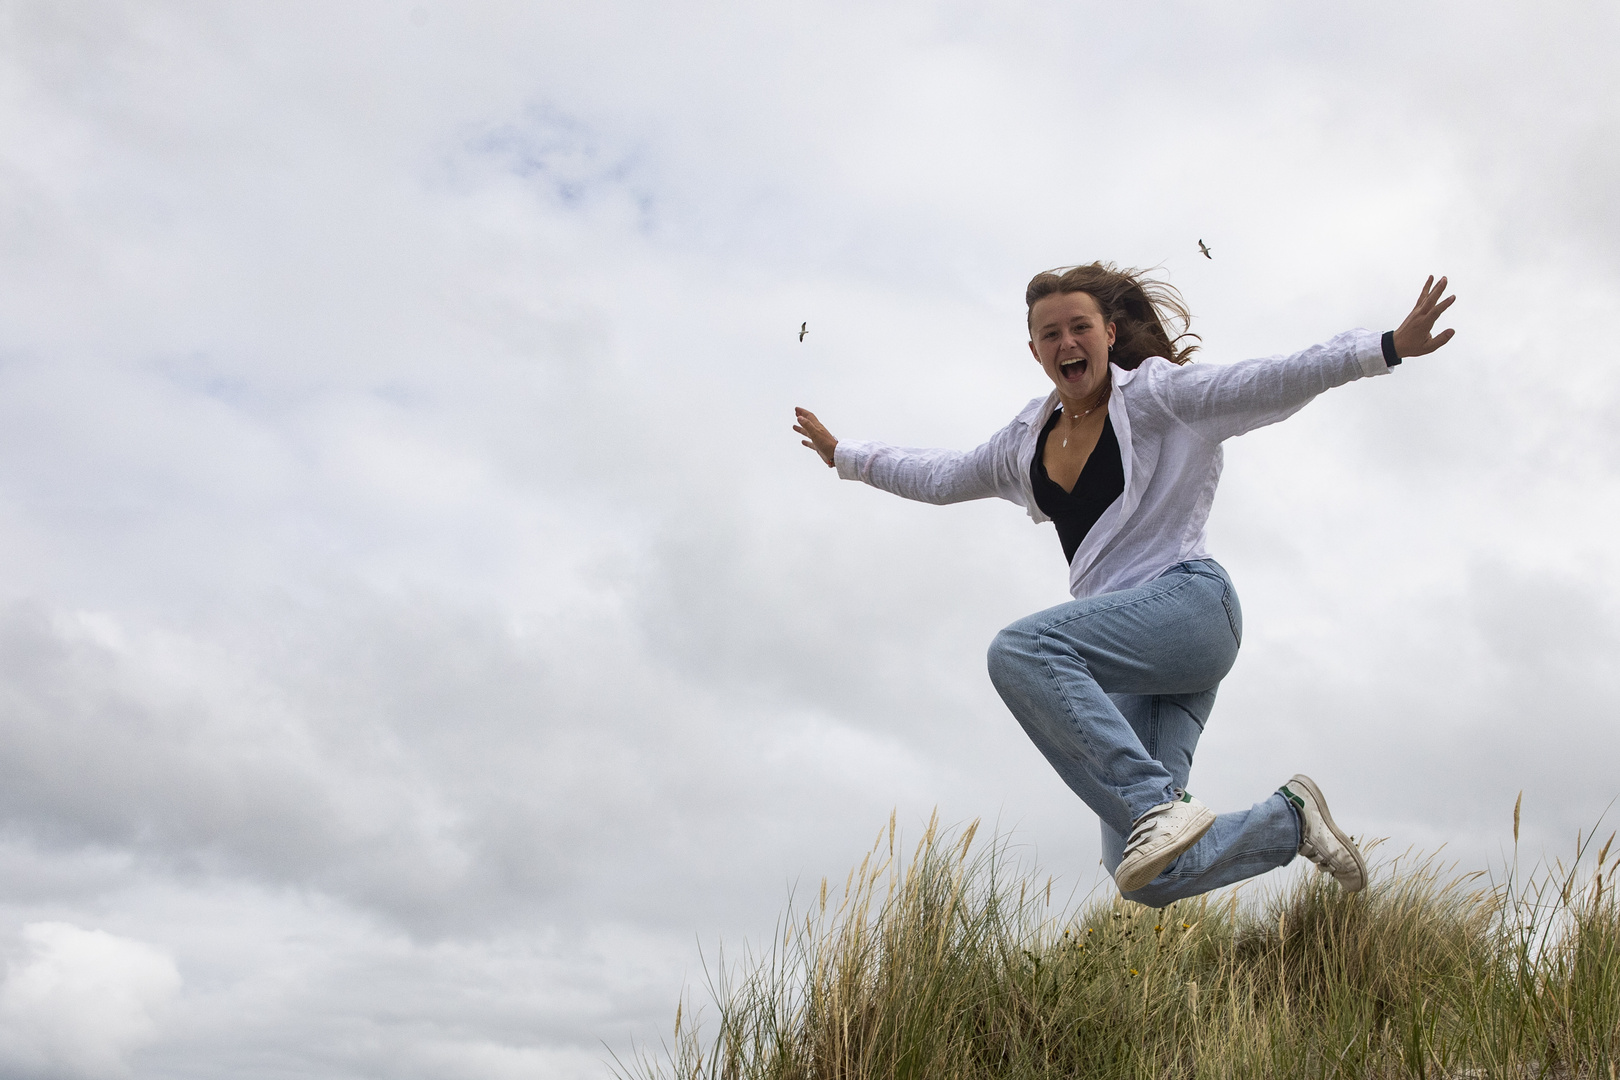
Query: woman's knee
point(1011, 653)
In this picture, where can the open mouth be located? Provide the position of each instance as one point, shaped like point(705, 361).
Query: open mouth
point(1073, 369)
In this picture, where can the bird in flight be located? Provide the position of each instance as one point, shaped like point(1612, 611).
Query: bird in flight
point(1205, 249)
point(804, 328)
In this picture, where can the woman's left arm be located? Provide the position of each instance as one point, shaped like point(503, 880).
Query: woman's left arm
point(1220, 401)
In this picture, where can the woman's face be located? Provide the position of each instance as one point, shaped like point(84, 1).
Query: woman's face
point(1070, 339)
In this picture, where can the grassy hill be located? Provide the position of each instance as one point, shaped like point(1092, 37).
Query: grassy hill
point(955, 963)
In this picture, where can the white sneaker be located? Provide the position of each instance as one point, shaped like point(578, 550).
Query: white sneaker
point(1321, 841)
point(1158, 837)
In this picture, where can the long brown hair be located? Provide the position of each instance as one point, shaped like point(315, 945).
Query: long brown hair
point(1138, 306)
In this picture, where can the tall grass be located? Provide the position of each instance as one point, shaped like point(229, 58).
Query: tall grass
point(957, 963)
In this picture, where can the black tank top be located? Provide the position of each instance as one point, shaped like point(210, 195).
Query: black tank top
point(1100, 483)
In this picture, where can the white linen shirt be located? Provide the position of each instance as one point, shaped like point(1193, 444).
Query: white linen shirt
point(1170, 420)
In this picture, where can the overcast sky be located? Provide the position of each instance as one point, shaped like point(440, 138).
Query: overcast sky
point(422, 638)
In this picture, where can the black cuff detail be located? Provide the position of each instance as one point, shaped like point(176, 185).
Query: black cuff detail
point(1391, 358)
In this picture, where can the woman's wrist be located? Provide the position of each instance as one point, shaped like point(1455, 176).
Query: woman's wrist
point(1391, 356)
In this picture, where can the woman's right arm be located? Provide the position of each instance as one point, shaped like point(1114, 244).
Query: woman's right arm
point(932, 476)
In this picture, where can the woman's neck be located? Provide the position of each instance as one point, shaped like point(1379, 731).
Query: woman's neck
point(1075, 408)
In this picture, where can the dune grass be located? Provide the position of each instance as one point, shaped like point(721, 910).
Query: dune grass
point(955, 962)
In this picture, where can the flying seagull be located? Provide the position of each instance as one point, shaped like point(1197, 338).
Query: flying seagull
point(1205, 249)
point(804, 328)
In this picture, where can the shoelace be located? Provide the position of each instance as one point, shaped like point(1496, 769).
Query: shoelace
point(1320, 858)
point(1142, 832)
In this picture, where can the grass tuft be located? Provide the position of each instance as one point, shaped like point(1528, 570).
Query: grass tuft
point(954, 962)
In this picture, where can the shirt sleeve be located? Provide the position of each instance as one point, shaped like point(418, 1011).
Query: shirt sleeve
point(1219, 401)
point(937, 476)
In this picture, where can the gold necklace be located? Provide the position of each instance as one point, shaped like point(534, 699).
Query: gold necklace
point(1075, 419)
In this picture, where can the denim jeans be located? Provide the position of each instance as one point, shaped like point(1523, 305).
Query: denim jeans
point(1115, 690)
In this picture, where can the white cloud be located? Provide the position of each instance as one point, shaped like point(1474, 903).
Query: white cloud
point(75, 1003)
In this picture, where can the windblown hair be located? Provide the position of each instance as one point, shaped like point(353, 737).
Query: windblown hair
point(1139, 307)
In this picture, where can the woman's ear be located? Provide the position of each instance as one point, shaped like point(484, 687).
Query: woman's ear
point(1035, 354)
point(1110, 337)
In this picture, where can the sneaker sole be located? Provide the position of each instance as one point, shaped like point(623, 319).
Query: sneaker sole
point(1143, 872)
point(1327, 819)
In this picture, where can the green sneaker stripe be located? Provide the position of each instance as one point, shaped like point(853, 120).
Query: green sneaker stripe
point(1291, 797)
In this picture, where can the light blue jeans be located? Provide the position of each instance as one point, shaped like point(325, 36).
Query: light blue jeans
point(1115, 691)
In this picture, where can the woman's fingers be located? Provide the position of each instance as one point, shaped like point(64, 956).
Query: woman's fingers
point(1428, 316)
point(1428, 302)
point(1439, 291)
point(1430, 295)
point(816, 435)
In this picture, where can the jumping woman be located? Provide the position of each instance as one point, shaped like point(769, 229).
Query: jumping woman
point(1124, 454)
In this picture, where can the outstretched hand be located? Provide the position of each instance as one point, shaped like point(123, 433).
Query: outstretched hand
point(1415, 337)
point(816, 437)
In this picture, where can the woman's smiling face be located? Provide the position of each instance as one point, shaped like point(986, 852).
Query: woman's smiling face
point(1068, 336)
